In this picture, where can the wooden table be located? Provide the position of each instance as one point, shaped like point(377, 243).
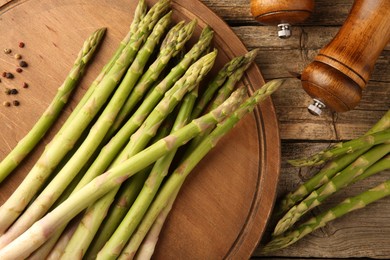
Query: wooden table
point(364, 233)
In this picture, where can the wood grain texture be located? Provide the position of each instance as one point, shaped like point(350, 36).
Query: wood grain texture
point(363, 233)
point(233, 201)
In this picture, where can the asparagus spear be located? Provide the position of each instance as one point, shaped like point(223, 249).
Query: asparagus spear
point(322, 177)
point(174, 41)
point(160, 170)
point(49, 116)
point(172, 45)
point(148, 245)
point(95, 214)
point(38, 233)
point(65, 139)
point(382, 124)
point(344, 148)
point(232, 80)
point(223, 92)
point(176, 179)
point(338, 182)
point(326, 173)
point(381, 165)
point(96, 134)
point(139, 204)
point(109, 152)
point(348, 205)
point(139, 14)
point(227, 70)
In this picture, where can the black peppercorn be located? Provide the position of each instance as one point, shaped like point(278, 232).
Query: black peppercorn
point(23, 64)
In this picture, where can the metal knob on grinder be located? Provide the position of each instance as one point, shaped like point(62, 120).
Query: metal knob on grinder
point(343, 67)
point(282, 13)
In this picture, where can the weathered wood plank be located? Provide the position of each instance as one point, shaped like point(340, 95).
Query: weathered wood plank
point(325, 12)
point(296, 123)
point(303, 37)
point(363, 233)
point(279, 63)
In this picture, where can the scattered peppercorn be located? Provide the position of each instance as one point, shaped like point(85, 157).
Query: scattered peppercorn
point(17, 56)
point(19, 70)
point(14, 91)
point(4, 74)
point(7, 51)
point(25, 85)
point(21, 44)
point(7, 91)
point(23, 64)
point(9, 75)
point(6, 103)
point(16, 103)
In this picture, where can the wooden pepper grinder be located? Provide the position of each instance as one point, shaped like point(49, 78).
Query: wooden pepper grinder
point(341, 70)
point(282, 13)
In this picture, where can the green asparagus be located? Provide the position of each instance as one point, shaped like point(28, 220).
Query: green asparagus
point(92, 141)
point(172, 45)
point(326, 173)
point(338, 182)
point(65, 139)
point(348, 205)
point(176, 179)
point(227, 70)
point(134, 216)
point(38, 233)
point(344, 148)
point(139, 14)
point(49, 116)
point(95, 213)
point(109, 152)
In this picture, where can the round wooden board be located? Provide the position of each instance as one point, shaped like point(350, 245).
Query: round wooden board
point(224, 205)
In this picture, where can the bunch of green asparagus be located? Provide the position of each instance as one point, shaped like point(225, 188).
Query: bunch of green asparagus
point(105, 183)
point(347, 163)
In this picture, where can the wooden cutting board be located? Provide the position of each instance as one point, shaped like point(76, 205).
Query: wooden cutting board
point(225, 203)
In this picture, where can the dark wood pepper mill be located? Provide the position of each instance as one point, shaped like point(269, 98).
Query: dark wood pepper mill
point(282, 13)
point(342, 68)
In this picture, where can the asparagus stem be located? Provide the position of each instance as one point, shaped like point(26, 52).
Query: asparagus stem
point(176, 179)
point(134, 216)
point(172, 45)
point(149, 243)
point(344, 148)
point(224, 91)
point(338, 182)
point(227, 70)
point(95, 213)
point(321, 178)
point(139, 14)
point(126, 197)
point(110, 151)
point(232, 80)
point(326, 173)
point(348, 205)
point(381, 165)
point(38, 233)
point(382, 124)
point(65, 139)
point(96, 134)
point(50, 115)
